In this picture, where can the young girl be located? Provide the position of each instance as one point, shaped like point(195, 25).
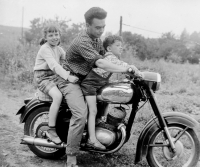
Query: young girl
point(98, 78)
point(47, 67)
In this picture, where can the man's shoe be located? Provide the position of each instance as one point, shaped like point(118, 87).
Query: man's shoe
point(71, 165)
point(71, 161)
point(96, 145)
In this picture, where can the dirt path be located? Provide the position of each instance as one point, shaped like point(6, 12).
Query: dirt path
point(13, 154)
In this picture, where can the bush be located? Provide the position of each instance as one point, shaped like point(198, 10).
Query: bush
point(18, 62)
point(26, 76)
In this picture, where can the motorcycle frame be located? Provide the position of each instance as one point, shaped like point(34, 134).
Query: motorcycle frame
point(156, 111)
point(24, 111)
point(159, 121)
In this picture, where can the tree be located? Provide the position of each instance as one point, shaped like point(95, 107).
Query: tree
point(29, 37)
point(195, 56)
point(168, 45)
point(137, 43)
point(195, 37)
point(153, 46)
point(68, 33)
point(185, 36)
point(34, 34)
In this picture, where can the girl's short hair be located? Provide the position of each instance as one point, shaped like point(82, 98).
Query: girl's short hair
point(109, 40)
point(49, 27)
point(94, 12)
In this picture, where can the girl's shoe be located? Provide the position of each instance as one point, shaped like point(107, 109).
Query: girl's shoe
point(52, 136)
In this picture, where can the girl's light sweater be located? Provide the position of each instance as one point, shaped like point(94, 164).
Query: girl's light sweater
point(48, 58)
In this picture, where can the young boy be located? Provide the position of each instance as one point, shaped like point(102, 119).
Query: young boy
point(98, 78)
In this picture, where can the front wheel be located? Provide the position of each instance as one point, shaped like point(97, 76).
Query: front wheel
point(35, 126)
point(187, 148)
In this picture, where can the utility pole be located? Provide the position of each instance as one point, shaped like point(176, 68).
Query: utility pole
point(120, 27)
point(22, 25)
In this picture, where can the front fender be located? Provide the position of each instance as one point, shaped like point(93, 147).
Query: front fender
point(32, 104)
point(153, 125)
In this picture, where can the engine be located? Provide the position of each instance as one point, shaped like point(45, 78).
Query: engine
point(106, 132)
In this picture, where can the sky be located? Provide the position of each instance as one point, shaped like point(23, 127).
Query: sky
point(149, 18)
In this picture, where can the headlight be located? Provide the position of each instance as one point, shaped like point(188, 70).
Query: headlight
point(153, 80)
point(153, 85)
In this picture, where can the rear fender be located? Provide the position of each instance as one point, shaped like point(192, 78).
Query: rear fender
point(32, 104)
point(153, 125)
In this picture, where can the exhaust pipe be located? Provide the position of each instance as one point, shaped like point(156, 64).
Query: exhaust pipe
point(29, 140)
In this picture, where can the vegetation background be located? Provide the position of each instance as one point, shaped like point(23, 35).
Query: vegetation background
point(175, 58)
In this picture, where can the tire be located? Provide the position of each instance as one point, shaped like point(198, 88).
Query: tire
point(187, 148)
point(36, 123)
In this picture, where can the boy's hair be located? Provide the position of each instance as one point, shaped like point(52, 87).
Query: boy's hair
point(94, 12)
point(49, 27)
point(109, 40)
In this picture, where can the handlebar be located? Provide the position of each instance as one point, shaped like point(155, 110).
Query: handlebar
point(132, 74)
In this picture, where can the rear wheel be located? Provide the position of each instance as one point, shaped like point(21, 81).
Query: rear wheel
point(187, 148)
point(35, 126)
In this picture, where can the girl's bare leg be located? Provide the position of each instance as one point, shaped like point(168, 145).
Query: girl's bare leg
point(53, 113)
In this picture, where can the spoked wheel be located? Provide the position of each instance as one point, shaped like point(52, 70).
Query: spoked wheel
point(187, 148)
point(36, 125)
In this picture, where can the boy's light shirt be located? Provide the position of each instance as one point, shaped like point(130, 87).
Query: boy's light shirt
point(109, 56)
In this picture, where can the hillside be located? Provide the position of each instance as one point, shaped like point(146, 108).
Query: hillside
point(9, 34)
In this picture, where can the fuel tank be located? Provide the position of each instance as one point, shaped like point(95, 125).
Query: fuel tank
point(116, 92)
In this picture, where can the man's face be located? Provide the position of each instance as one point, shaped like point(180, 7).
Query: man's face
point(96, 28)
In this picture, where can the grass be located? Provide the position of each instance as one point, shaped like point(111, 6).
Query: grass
point(180, 88)
point(180, 91)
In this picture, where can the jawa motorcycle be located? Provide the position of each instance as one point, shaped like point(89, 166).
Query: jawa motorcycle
point(167, 140)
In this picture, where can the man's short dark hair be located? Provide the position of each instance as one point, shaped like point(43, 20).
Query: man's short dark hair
point(95, 12)
point(109, 40)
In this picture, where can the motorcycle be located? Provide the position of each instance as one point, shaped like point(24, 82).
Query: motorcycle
point(168, 139)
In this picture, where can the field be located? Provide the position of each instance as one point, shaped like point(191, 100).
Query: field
point(180, 91)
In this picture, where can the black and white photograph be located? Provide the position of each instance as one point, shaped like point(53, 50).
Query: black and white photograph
point(99, 83)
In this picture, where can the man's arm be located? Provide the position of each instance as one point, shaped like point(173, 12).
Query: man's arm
point(110, 67)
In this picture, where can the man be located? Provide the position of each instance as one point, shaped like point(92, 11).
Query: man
point(85, 52)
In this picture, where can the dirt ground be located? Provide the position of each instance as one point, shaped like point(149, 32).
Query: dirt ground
point(14, 154)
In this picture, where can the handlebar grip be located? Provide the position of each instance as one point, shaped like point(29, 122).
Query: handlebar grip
point(131, 70)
